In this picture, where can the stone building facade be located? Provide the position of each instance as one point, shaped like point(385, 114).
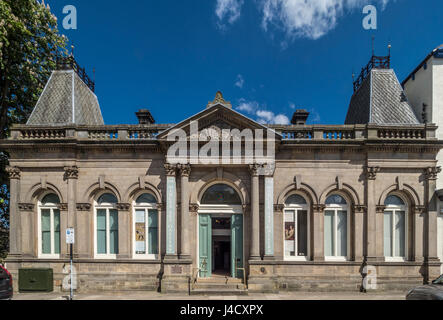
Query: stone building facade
point(336, 207)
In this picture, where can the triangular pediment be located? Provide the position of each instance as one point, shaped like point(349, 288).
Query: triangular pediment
point(217, 117)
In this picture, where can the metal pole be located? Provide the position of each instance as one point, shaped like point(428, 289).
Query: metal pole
point(71, 296)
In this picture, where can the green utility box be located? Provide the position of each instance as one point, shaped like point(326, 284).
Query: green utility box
point(35, 280)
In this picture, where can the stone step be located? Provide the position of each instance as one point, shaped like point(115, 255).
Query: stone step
point(218, 292)
point(212, 286)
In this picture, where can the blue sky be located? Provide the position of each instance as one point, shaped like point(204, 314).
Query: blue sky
point(171, 56)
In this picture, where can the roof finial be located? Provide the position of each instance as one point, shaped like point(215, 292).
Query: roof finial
point(219, 100)
point(72, 50)
point(389, 49)
point(353, 75)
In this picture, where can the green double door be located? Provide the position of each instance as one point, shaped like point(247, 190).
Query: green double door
point(205, 245)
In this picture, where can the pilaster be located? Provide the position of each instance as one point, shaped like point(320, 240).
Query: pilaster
point(318, 245)
point(255, 213)
point(374, 233)
point(185, 171)
point(171, 211)
point(15, 239)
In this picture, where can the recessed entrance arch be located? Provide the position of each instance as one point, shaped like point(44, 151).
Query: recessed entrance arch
point(220, 232)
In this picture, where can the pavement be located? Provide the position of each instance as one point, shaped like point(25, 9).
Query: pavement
point(143, 296)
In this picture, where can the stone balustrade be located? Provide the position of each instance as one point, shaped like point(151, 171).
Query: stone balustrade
point(288, 132)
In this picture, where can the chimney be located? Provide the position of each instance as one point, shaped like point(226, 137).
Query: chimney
point(144, 117)
point(300, 117)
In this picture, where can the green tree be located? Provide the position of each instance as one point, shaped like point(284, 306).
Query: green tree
point(29, 45)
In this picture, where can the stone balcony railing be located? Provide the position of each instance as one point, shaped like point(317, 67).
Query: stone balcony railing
point(289, 133)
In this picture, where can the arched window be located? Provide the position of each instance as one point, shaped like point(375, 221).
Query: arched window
point(336, 228)
point(296, 220)
point(106, 219)
point(221, 194)
point(395, 231)
point(49, 226)
point(145, 228)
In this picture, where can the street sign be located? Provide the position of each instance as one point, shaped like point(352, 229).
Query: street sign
point(70, 236)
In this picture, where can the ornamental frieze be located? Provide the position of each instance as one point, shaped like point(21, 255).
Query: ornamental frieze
point(360, 209)
point(170, 169)
point(123, 206)
point(419, 209)
point(71, 172)
point(26, 207)
point(185, 169)
point(431, 173)
point(83, 206)
point(13, 172)
point(371, 172)
point(318, 207)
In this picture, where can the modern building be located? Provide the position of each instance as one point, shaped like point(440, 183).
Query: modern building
point(423, 87)
point(326, 208)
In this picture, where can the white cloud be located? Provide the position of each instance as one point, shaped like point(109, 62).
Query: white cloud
point(263, 116)
point(247, 106)
point(308, 19)
point(228, 11)
point(240, 81)
point(268, 117)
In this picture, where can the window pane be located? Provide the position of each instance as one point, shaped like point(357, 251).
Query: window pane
point(113, 232)
point(56, 231)
point(46, 231)
point(400, 229)
point(290, 233)
point(153, 231)
point(146, 198)
point(50, 199)
point(388, 233)
point(342, 234)
point(296, 199)
point(394, 201)
point(140, 232)
point(221, 194)
point(329, 233)
point(336, 199)
point(107, 198)
point(302, 234)
point(101, 231)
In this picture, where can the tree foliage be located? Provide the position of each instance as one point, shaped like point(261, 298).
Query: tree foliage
point(29, 45)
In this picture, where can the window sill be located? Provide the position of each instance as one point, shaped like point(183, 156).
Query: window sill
point(395, 259)
point(145, 257)
point(336, 259)
point(301, 259)
point(49, 256)
point(105, 257)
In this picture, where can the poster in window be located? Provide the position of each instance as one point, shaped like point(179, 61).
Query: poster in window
point(140, 236)
point(289, 231)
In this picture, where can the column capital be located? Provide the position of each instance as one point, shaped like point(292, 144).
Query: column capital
point(419, 209)
point(254, 169)
point(319, 207)
point(279, 207)
point(71, 172)
point(83, 206)
point(62, 206)
point(171, 169)
point(194, 207)
point(13, 172)
point(360, 209)
point(431, 173)
point(371, 172)
point(123, 206)
point(26, 206)
point(380, 209)
point(184, 169)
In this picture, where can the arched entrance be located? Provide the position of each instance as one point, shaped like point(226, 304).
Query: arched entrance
point(220, 231)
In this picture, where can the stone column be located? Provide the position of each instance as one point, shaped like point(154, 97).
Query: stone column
point(124, 235)
point(269, 218)
point(431, 228)
point(15, 238)
point(373, 239)
point(185, 252)
point(318, 244)
point(418, 213)
point(255, 213)
point(71, 174)
point(171, 211)
point(359, 213)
